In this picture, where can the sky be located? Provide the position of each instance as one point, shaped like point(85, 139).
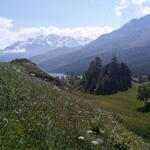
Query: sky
point(23, 19)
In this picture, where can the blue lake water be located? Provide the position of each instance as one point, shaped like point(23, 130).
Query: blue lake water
point(62, 75)
point(58, 75)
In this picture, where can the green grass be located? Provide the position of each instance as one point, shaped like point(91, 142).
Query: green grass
point(125, 104)
point(38, 114)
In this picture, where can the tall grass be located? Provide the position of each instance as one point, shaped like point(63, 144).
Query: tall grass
point(37, 115)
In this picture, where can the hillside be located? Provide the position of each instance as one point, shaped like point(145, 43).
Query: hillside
point(38, 112)
point(130, 44)
point(58, 52)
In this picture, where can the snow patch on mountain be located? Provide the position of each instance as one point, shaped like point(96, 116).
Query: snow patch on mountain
point(51, 41)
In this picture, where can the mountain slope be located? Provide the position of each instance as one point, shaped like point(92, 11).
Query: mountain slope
point(58, 52)
point(38, 114)
point(39, 45)
point(127, 43)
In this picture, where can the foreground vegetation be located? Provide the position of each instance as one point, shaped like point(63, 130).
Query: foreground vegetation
point(129, 109)
point(38, 112)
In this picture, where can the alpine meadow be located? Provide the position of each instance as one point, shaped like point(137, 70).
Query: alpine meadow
point(75, 75)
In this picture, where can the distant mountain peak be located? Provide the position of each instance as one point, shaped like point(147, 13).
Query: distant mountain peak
point(41, 44)
point(52, 40)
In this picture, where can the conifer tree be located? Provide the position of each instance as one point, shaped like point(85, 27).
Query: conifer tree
point(91, 76)
point(110, 79)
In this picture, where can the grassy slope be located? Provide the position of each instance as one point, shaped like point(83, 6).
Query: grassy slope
point(125, 104)
point(36, 114)
point(30, 68)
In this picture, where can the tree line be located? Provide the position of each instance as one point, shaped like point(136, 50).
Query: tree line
point(108, 79)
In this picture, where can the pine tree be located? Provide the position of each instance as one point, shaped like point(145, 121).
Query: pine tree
point(110, 79)
point(91, 76)
point(144, 94)
point(125, 75)
point(112, 71)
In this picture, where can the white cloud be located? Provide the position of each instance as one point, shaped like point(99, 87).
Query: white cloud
point(137, 7)
point(5, 23)
point(8, 36)
point(91, 32)
point(145, 10)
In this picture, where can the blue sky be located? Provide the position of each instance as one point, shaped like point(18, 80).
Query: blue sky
point(22, 19)
point(60, 13)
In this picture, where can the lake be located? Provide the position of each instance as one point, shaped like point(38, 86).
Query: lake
point(59, 75)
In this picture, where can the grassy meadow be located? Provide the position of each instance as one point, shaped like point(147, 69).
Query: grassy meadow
point(38, 113)
point(126, 106)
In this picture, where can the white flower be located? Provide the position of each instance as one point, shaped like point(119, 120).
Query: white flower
point(32, 74)
point(17, 70)
point(100, 140)
point(89, 131)
point(29, 129)
point(5, 120)
point(18, 112)
point(79, 112)
point(81, 138)
point(94, 142)
point(102, 132)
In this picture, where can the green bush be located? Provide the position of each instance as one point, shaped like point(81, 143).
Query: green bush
point(124, 142)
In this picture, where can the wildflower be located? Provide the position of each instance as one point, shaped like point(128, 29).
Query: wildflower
point(22, 105)
point(18, 112)
point(32, 74)
point(29, 129)
point(94, 142)
point(81, 138)
point(102, 131)
point(21, 141)
point(34, 103)
point(100, 140)
point(113, 121)
point(5, 120)
point(79, 112)
point(89, 131)
point(17, 70)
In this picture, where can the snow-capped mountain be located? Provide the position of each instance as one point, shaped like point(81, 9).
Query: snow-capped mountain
point(40, 45)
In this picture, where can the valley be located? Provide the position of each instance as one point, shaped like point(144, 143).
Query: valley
point(75, 75)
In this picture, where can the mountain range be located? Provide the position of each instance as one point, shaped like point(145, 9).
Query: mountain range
point(40, 45)
point(130, 43)
point(61, 54)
